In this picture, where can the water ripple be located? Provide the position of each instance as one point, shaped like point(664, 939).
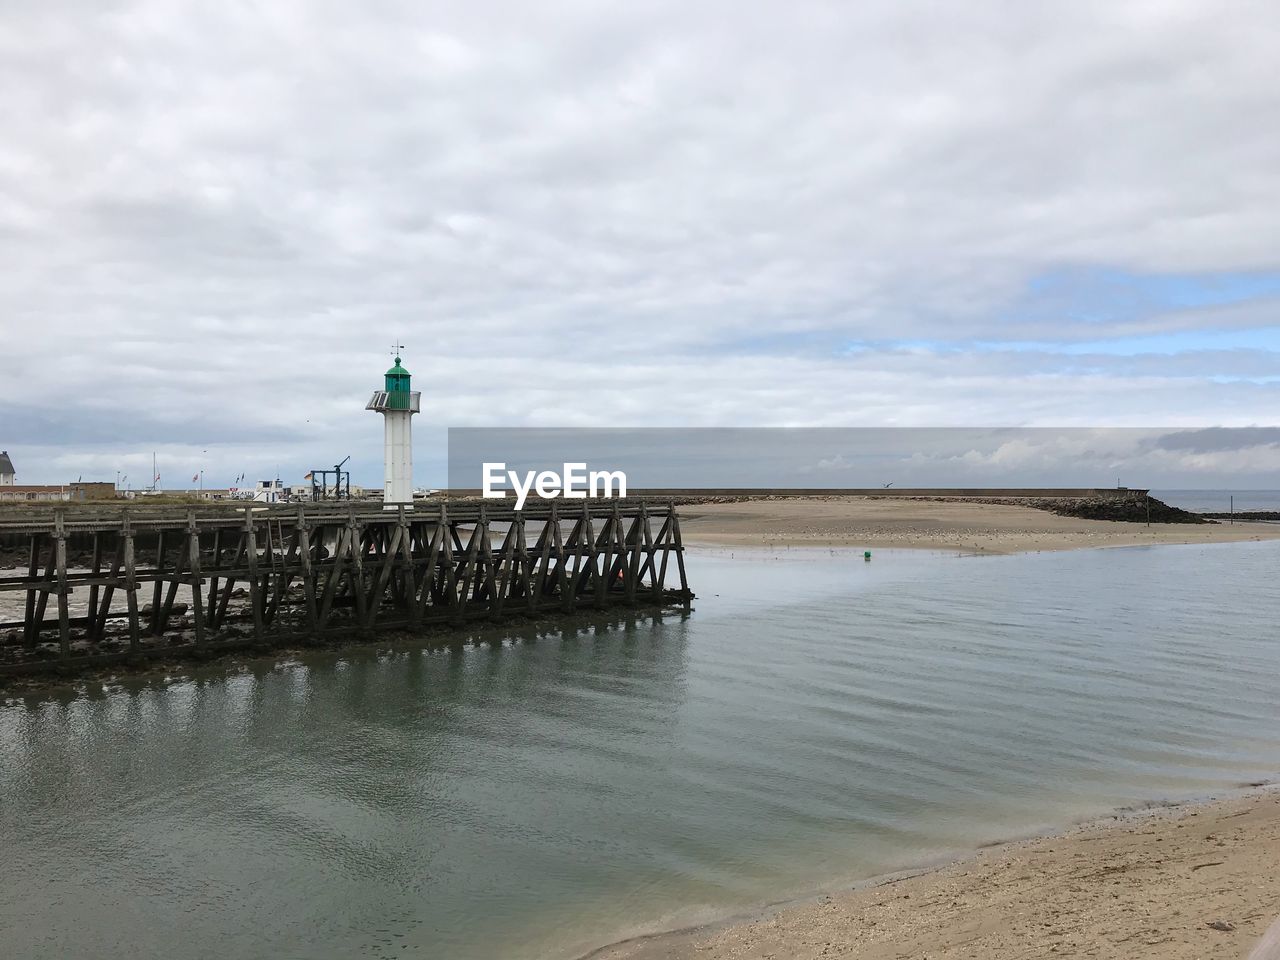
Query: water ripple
point(537, 798)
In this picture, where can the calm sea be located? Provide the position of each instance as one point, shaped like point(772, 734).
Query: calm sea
point(818, 719)
point(1215, 501)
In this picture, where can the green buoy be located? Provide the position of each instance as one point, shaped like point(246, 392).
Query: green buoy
point(866, 555)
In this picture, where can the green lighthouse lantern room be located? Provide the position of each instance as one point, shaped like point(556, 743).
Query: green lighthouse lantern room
point(398, 387)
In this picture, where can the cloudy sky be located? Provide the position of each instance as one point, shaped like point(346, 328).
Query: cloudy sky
point(216, 219)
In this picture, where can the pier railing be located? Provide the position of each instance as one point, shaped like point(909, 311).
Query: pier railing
point(110, 583)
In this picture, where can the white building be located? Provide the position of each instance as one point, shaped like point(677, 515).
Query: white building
point(6, 470)
point(268, 491)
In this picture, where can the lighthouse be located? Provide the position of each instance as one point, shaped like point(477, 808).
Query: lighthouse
point(397, 404)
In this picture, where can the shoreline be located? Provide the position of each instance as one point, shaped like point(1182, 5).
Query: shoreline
point(936, 908)
point(953, 526)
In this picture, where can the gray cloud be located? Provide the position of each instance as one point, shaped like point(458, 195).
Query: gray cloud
point(215, 219)
point(1219, 440)
point(871, 457)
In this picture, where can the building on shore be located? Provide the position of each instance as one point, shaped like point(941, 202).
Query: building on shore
point(307, 492)
point(268, 491)
point(56, 492)
point(208, 493)
point(11, 490)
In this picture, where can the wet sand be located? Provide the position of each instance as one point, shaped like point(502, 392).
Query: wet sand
point(1191, 882)
point(936, 525)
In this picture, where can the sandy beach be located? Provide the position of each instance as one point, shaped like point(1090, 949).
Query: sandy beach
point(1190, 882)
point(935, 525)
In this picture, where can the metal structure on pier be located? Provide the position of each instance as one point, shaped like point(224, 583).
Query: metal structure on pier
point(163, 582)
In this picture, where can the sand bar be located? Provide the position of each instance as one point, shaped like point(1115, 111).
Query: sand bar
point(1191, 882)
point(934, 524)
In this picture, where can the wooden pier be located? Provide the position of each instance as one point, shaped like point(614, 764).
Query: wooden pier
point(191, 581)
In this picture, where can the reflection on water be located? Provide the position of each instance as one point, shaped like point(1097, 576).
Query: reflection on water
point(817, 720)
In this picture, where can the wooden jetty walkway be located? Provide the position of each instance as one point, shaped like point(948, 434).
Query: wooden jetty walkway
point(191, 581)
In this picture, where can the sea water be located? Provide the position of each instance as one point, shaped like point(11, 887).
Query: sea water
point(818, 719)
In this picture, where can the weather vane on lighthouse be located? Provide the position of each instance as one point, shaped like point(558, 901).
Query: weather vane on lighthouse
point(397, 404)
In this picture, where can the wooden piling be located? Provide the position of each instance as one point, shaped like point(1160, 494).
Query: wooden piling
point(131, 585)
point(193, 569)
point(64, 591)
point(255, 587)
point(31, 628)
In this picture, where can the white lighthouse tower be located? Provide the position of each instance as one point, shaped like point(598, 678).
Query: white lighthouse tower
point(397, 404)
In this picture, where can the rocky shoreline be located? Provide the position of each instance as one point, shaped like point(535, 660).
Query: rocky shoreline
point(1265, 516)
